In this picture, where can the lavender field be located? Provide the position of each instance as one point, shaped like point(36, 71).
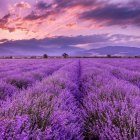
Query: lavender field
point(70, 99)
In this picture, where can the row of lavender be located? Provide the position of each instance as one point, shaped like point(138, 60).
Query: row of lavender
point(79, 99)
point(47, 110)
point(18, 75)
point(111, 101)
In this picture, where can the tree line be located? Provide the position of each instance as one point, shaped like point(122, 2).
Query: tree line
point(64, 55)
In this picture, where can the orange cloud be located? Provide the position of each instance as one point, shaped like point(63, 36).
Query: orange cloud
point(70, 25)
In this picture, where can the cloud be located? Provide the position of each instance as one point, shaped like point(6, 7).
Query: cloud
point(23, 5)
point(69, 17)
point(114, 14)
point(5, 18)
point(73, 3)
point(116, 50)
point(44, 9)
point(119, 37)
point(72, 40)
point(4, 23)
point(43, 5)
point(52, 46)
point(57, 45)
point(35, 16)
point(103, 13)
point(71, 25)
point(3, 40)
point(67, 41)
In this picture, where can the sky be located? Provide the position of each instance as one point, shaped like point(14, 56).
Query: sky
point(35, 27)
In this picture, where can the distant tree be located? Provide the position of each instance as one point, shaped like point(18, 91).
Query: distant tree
point(45, 56)
point(10, 57)
point(65, 55)
point(33, 57)
point(137, 56)
point(109, 56)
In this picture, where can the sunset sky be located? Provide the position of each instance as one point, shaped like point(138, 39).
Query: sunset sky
point(34, 27)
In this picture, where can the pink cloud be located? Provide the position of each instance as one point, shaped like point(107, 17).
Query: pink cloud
point(23, 5)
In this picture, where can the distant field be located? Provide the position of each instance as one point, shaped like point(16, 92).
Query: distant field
point(70, 99)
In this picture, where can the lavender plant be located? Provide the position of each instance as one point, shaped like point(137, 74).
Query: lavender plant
point(95, 99)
